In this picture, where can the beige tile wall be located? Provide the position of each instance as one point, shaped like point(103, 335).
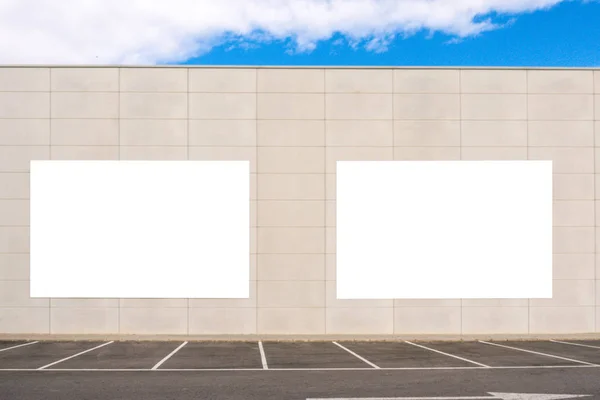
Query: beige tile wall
point(293, 125)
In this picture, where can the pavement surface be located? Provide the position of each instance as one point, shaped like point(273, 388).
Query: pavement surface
point(153, 370)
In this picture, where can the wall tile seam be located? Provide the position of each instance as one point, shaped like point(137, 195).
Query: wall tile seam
point(15, 280)
point(104, 119)
point(28, 307)
point(262, 200)
point(44, 307)
point(394, 119)
point(474, 306)
point(527, 100)
point(225, 93)
point(115, 145)
point(84, 307)
point(561, 94)
point(495, 94)
point(50, 113)
point(27, 91)
point(576, 253)
point(320, 226)
point(194, 308)
point(563, 307)
point(148, 307)
point(399, 302)
point(49, 157)
point(257, 199)
point(332, 253)
point(119, 158)
point(322, 307)
point(300, 281)
point(460, 157)
point(298, 171)
point(594, 127)
point(325, 286)
point(245, 146)
point(590, 200)
point(119, 114)
point(187, 127)
point(256, 238)
point(329, 147)
point(587, 306)
point(295, 93)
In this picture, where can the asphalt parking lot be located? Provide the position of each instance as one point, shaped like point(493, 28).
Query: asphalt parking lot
point(300, 370)
point(244, 356)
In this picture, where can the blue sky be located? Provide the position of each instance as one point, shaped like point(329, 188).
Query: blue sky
point(565, 35)
point(302, 32)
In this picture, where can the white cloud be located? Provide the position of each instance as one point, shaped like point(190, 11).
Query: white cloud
point(159, 31)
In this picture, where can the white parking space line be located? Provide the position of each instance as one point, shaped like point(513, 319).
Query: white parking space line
point(449, 355)
point(405, 398)
point(263, 357)
point(291, 369)
point(538, 353)
point(75, 355)
point(356, 355)
point(576, 344)
point(161, 362)
point(546, 366)
point(17, 346)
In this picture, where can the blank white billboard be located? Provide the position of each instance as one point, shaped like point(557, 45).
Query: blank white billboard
point(444, 229)
point(140, 229)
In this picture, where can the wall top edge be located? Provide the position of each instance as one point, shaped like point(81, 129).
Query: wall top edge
point(298, 67)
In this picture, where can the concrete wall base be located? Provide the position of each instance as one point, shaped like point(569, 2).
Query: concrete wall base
point(578, 336)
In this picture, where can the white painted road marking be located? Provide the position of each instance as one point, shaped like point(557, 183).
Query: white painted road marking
point(576, 344)
point(448, 354)
point(75, 355)
point(161, 362)
point(263, 357)
point(493, 395)
point(295, 369)
point(537, 352)
point(356, 355)
point(20, 345)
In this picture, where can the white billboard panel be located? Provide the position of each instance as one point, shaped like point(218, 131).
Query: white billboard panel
point(140, 229)
point(444, 229)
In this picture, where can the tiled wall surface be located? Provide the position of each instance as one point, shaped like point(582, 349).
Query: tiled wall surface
point(293, 125)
